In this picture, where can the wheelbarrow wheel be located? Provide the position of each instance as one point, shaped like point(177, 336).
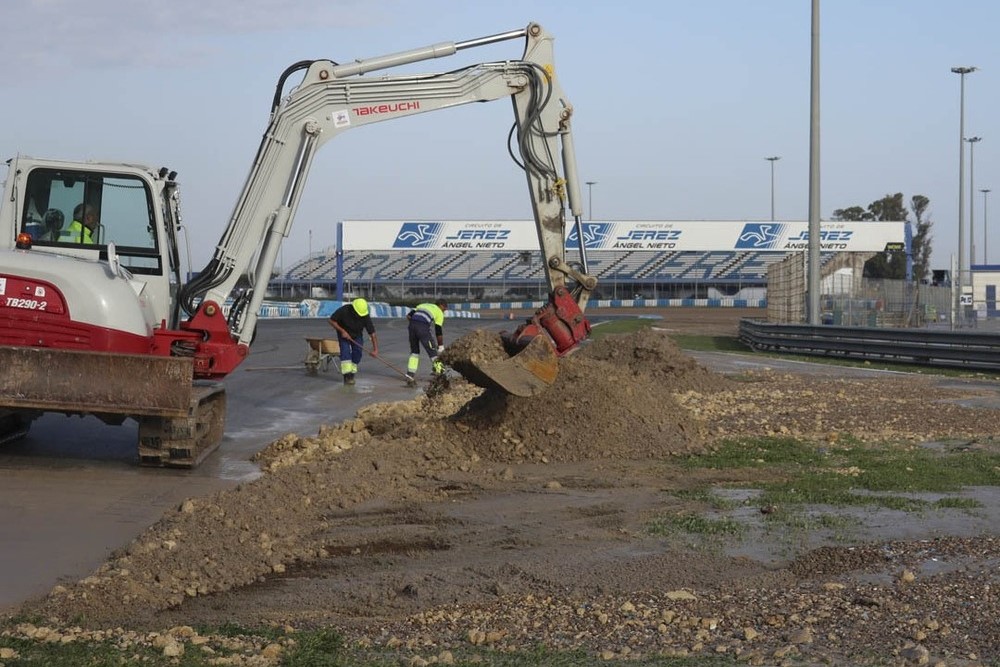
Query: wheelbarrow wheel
point(312, 361)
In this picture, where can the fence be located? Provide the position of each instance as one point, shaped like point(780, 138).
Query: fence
point(848, 299)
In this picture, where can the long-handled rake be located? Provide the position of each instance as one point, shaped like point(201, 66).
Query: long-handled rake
point(387, 363)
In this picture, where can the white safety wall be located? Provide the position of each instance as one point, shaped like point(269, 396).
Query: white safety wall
point(655, 236)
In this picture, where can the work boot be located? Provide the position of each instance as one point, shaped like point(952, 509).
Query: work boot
point(410, 380)
point(349, 378)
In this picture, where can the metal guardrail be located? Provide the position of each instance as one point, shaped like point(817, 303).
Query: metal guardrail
point(971, 350)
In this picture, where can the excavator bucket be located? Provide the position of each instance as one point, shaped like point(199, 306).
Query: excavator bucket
point(527, 373)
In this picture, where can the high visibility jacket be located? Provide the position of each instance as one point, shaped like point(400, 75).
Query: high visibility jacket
point(77, 232)
point(431, 312)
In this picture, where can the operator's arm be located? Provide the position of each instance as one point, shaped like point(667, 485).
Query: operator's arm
point(439, 332)
point(374, 337)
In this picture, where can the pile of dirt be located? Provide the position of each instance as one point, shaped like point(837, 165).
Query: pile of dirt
point(613, 399)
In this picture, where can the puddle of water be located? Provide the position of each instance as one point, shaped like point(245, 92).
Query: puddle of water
point(238, 470)
point(771, 540)
point(737, 495)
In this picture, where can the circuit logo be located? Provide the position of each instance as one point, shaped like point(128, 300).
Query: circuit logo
point(418, 235)
point(760, 235)
point(480, 234)
point(595, 235)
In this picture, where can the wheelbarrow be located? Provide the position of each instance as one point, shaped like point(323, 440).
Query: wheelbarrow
point(322, 352)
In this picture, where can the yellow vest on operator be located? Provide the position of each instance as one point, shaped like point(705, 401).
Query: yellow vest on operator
point(76, 233)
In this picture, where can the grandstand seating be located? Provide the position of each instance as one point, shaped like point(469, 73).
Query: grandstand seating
point(511, 268)
point(463, 266)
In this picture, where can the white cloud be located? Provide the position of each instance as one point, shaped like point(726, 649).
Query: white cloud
point(51, 35)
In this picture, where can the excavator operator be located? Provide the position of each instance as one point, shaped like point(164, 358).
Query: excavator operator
point(83, 227)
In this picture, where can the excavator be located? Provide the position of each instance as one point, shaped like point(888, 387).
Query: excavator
point(98, 318)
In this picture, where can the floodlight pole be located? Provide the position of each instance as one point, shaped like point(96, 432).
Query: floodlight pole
point(958, 280)
point(772, 160)
point(590, 199)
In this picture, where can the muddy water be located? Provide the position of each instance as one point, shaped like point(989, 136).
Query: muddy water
point(769, 539)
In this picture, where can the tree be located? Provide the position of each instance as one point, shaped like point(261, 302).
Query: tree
point(892, 208)
point(920, 246)
point(853, 214)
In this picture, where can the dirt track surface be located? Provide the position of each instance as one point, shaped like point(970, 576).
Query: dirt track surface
point(465, 518)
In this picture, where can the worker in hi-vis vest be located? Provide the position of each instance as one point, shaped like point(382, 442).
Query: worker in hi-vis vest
point(422, 319)
point(351, 321)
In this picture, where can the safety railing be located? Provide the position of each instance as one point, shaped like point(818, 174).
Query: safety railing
point(974, 350)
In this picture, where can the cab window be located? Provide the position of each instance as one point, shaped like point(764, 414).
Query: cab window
point(81, 209)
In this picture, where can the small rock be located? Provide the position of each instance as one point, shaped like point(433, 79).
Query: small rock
point(803, 636)
point(681, 595)
point(916, 655)
point(173, 649)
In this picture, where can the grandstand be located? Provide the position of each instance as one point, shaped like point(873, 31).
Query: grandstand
point(500, 260)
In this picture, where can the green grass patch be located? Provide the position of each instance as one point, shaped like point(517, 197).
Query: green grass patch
point(66, 655)
point(698, 343)
point(953, 503)
point(620, 326)
point(319, 648)
point(853, 475)
point(694, 524)
point(712, 500)
point(323, 648)
point(236, 631)
point(799, 520)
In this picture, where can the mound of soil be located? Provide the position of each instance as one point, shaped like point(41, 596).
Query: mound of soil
point(613, 399)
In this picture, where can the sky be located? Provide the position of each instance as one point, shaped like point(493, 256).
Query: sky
point(677, 103)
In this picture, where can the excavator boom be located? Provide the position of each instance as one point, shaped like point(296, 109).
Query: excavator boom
point(333, 98)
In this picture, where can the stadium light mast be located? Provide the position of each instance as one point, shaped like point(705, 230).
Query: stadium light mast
point(986, 256)
point(772, 160)
point(590, 199)
point(972, 202)
point(961, 71)
point(812, 279)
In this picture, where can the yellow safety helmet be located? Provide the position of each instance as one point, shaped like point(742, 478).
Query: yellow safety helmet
point(360, 306)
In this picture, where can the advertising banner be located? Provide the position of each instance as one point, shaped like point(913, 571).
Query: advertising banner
point(652, 236)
